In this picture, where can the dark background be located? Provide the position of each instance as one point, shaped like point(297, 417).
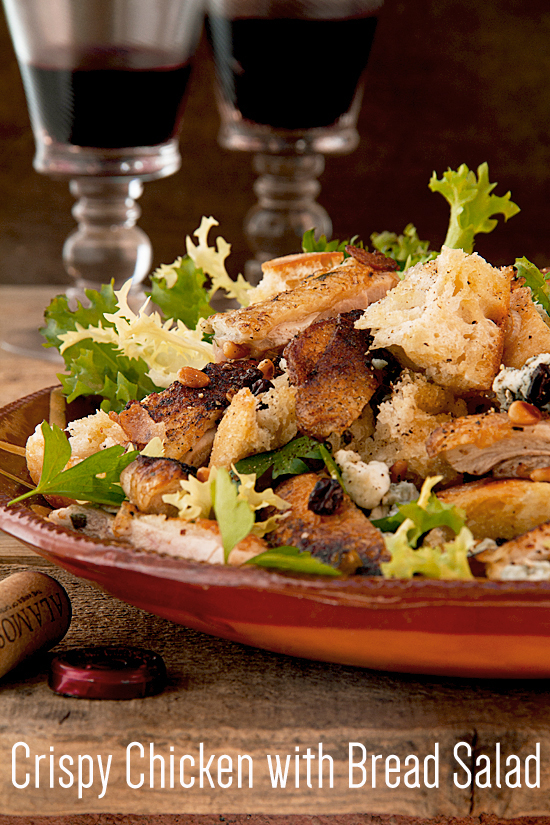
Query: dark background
point(448, 82)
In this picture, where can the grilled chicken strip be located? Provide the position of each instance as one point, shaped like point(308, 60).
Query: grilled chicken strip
point(268, 326)
point(479, 444)
point(185, 417)
point(345, 539)
point(526, 557)
point(147, 479)
point(197, 541)
point(280, 274)
point(327, 363)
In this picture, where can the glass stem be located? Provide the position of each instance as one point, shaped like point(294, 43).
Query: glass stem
point(107, 244)
point(286, 208)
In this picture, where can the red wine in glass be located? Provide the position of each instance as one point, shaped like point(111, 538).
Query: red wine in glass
point(291, 73)
point(108, 99)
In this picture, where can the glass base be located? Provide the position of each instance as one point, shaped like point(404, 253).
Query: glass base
point(60, 160)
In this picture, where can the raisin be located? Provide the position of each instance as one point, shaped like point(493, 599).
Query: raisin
point(326, 497)
point(262, 385)
point(79, 521)
point(539, 389)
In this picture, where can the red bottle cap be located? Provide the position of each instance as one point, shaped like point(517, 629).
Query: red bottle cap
point(107, 673)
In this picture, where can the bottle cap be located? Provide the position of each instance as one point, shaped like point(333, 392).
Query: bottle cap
point(107, 673)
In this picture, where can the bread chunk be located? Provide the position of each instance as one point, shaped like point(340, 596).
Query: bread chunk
point(404, 422)
point(446, 318)
point(247, 430)
point(526, 333)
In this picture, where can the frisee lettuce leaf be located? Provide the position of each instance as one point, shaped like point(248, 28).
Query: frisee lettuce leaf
point(286, 460)
point(212, 262)
point(178, 291)
point(95, 479)
point(407, 249)
point(472, 204)
point(291, 558)
point(448, 561)
point(538, 282)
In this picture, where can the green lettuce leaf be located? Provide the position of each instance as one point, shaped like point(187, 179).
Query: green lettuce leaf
point(472, 204)
point(450, 561)
point(235, 516)
point(95, 479)
point(407, 249)
point(287, 460)
point(424, 518)
point(96, 368)
point(178, 291)
point(538, 283)
point(59, 318)
point(291, 558)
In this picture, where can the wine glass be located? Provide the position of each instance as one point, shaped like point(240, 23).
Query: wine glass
point(105, 83)
point(289, 88)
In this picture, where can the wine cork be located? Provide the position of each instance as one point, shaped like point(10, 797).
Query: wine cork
point(35, 614)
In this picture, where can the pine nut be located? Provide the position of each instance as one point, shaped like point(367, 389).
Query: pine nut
point(235, 351)
point(267, 368)
point(190, 377)
point(523, 414)
point(540, 474)
point(398, 471)
point(203, 473)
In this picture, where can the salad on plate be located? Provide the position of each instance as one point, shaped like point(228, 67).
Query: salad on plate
point(360, 412)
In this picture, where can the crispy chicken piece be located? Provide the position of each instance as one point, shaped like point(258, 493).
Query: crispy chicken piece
point(526, 557)
point(346, 539)
point(500, 509)
point(478, 444)
point(147, 479)
point(287, 272)
point(268, 326)
point(327, 363)
point(185, 417)
point(198, 541)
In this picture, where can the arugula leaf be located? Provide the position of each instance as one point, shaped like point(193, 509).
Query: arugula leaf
point(178, 290)
point(95, 479)
point(407, 249)
point(472, 204)
point(235, 516)
point(59, 318)
point(291, 558)
point(286, 460)
point(538, 283)
point(97, 368)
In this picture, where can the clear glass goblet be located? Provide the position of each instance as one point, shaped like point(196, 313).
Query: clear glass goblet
point(105, 83)
point(289, 88)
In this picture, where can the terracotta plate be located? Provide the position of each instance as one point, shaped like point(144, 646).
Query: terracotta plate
point(474, 628)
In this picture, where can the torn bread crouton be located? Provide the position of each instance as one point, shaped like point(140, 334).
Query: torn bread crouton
point(404, 422)
point(254, 424)
point(526, 334)
point(500, 509)
point(446, 318)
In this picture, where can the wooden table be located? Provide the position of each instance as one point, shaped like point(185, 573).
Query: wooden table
point(237, 700)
